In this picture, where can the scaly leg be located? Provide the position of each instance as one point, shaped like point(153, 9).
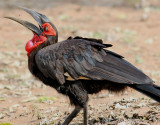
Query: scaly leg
point(85, 115)
point(72, 115)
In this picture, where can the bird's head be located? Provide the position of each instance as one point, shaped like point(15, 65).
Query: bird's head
point(45, 35)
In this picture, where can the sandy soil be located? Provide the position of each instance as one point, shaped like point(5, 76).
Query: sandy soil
point(134, 34)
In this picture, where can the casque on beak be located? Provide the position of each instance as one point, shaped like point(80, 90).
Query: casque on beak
point(39, 37)
point(40, 18)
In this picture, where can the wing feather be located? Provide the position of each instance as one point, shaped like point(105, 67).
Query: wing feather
point(86, 58)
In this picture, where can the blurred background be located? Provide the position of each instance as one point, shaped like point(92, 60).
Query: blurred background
point(132, 26)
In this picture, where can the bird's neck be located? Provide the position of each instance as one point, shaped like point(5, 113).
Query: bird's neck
point(31, 58)
point(32, 65)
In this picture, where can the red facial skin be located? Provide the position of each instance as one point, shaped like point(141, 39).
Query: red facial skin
point(37, 40)
point(34, 42)
point(50, 31)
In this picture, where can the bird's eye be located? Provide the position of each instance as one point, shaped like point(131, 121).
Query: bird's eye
point(45, 28)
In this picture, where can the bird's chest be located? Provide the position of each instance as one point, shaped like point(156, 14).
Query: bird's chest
point(33, 68)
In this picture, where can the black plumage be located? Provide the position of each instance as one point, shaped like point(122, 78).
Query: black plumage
point(80, 66)
point(99, 68)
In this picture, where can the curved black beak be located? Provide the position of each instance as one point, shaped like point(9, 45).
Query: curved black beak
point(40, 18)
point(27, 24)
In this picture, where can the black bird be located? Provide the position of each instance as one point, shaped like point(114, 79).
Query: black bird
point(80, 66)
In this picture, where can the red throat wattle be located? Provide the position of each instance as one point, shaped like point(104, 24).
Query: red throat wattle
point(34, 42)
point(37, 40)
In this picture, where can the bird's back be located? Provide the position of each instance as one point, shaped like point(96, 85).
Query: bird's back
point(87, 58)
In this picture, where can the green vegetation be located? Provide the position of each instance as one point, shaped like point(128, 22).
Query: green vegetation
point(139, 59)
point(128, 39)
point(45, 99)
point(128, 36)
point(12, 76)
point(5, 123)
point(36, 112)
point(121, 16)
point(2, 99)
point(68, 28)
point(63, 17)
point(39, 115)
point(98, 35)
point(133, 2)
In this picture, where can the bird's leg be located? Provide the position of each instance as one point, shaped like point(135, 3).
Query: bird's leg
point(72, 115)
point(85, 114)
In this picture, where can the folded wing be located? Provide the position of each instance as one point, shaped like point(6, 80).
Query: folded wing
point(86, 58)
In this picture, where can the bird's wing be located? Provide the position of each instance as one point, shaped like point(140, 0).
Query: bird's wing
point(86, 59)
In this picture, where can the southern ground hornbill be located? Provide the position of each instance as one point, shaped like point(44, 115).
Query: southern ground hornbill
point(80, 66)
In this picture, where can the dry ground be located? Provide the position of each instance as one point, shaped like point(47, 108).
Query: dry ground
point(135, 34)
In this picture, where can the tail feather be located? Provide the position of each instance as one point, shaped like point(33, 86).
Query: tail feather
point(157, 87)
point(152, 91)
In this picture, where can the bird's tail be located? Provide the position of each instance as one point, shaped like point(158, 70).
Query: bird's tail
point(157, 87)
point(152, 91)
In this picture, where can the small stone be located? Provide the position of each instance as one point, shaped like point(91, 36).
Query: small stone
point(144, 17)
point(1, 116)
point(149, 41)
point(122, 123)
point(118, 106)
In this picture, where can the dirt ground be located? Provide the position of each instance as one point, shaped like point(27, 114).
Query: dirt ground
point(134, 33)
